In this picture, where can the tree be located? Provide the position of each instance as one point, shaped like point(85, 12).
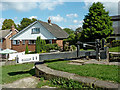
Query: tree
point(69, 31)
point(26, 50)
point(40, 45)
point(7, 23)
point(25, 22)
point(97, 24)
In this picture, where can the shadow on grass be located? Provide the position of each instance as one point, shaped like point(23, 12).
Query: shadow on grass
point(31, 71)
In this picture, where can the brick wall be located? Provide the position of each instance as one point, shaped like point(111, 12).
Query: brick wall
point(60, 43)
point(21, 47)
point(31, 47)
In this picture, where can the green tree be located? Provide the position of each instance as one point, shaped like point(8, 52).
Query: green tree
point(40, 45)
point(69, 31)
point(97, 24)
point(26, 50)
point(25, 22)
point(7, 23)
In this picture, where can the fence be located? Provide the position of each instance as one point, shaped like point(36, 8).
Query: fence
point(14, 55)
point(27, 58)
point(74, 54)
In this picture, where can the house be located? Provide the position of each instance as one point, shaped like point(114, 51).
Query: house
point(116, 27)
point(48, 31)
point(5, 36)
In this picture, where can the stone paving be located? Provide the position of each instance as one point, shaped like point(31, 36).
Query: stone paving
point(92, 61)
point(48, 72)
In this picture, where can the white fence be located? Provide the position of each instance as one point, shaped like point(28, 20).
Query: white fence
point(14, 55)
point(27, 58)
point(22, 57)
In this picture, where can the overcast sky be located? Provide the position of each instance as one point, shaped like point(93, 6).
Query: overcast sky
point(65, 13)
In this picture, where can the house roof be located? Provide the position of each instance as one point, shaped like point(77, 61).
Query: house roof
point(4, 33)
point(55, 30)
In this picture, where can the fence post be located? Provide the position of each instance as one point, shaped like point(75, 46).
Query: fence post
point(78, 50)
point(107, 53)
point(103, 43)
point(98, 49)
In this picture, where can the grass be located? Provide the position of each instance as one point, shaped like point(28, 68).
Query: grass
point(12, 73)
point(87, 50)
point(103, 72)
point(114, 49)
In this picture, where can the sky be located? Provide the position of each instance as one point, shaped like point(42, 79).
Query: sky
point(64, 13)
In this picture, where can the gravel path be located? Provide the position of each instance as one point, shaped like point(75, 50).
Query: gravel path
point(29, 82)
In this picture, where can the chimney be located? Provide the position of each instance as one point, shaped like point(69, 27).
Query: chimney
point(49, 21)
point(13, 29)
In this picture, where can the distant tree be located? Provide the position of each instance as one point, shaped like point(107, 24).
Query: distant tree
point(78, 30)
point(97, 24)
point(26, 50)
point(69, 31)
point(7, 23)
point(71, 39)
point(25, 22)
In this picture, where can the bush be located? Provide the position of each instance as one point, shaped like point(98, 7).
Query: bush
point(73, 47)
point(115, 43)
point(49, 47)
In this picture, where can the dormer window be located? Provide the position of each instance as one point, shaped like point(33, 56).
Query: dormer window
point(35, 30)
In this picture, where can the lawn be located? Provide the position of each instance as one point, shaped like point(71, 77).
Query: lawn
point(12, 73)
point(114, 49)
point(103, 72)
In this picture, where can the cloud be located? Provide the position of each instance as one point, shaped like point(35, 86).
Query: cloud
point(18, 6)
point(77, 21)
point(50, 5)
point(1, 22)
point(57, 18)
point(33, 17)
point(110, 5)
point(72, 15)
point(27, 6)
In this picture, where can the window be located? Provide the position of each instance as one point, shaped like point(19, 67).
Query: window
point(32, 41)
point(23, 42)
point(16, 42)
point(35, 30)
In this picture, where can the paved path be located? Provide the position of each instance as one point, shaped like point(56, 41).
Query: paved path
point(92, 61)
point(48, 72)
point(28, 82)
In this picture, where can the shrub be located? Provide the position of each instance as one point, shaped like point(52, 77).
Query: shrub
point(115, 43)
point(72, 47)
point(26, 50)
point(49, 47)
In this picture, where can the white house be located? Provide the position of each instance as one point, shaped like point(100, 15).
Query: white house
point(48, 31)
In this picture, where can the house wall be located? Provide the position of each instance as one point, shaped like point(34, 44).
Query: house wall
point(21, 47)
point(31, 47)
point(60, 43)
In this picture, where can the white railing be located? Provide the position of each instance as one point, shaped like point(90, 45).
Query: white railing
point(14, 55)
point(27, 58)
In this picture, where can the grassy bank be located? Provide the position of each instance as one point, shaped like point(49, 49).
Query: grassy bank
point(114, 49)
point(103, 72)
point(12, 73)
